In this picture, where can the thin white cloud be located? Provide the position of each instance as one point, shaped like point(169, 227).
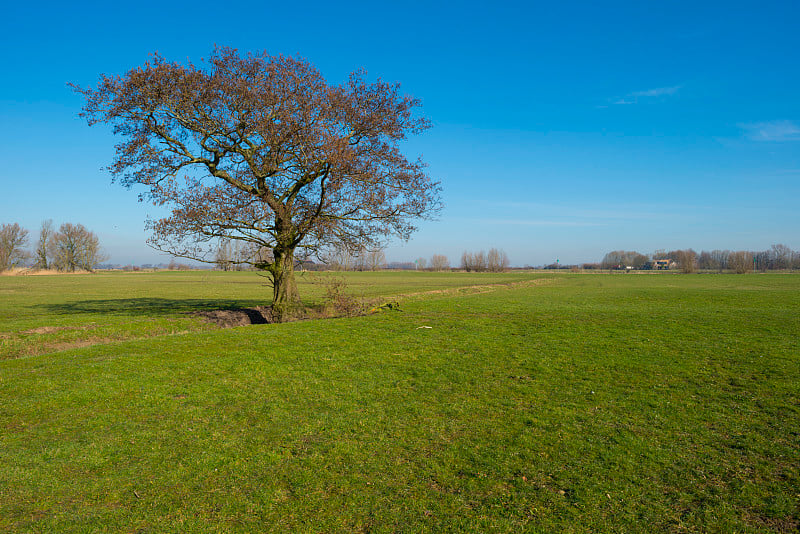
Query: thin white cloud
point(658, 91)
point(636, 96)
point(781, 130)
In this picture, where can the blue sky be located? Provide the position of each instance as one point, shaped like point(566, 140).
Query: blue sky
point(562, 130)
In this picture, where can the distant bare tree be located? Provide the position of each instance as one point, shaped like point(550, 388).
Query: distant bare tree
point(720, 258)
point(240, 254)
point(687, 260)
point(74, 247)
point(614, 260)
point(761, 260)
point(493, 260)
point(375, 260)
point(470, 262)
point(705, 262)
point(781, 257)
point(45, 234)
point(421, 263)
point(339, 258)
point(262, 255)
point(740, 262)
point(439, 262)
point(621, 259)
point(638, 261)
point(474, 261)
point(466, 261)
point(223, 255)
point(480, 261)
point(13, 238)
point(497, 261)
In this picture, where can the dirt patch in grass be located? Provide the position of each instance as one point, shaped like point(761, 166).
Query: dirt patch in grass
point(53, 329)
point(778, 524)
point(77, 344)
point(24, 271)
point(238, 317)
point(475, 289)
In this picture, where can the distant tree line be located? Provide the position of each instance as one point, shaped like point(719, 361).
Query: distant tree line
point(70, 248)
point(777, 257)
point(232, 256)
point(347, 259)
point(495, 261)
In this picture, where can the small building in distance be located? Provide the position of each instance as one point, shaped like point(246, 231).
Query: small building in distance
point(660, 265)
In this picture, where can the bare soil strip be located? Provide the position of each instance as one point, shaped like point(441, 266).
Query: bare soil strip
point(472, 290)
point(238, 317)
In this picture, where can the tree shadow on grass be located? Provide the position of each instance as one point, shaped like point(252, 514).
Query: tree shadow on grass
point(147, 306)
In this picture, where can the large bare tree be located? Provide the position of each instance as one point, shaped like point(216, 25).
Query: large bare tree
point(13, 238)
point(262, 149)
point(74, 248)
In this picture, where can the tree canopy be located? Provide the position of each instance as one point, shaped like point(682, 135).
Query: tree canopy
point(261, 149)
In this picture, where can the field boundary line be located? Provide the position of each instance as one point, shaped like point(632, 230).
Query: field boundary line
point(462, 291)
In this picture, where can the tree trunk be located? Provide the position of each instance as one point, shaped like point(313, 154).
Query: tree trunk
point(285, 298)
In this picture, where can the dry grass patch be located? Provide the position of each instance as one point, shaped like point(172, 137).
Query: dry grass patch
point(475, 289)
point(25, 271)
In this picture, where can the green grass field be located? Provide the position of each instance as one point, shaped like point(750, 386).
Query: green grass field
point(538, 403)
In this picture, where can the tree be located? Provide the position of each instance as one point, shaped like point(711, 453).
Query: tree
point(339, 258)
point(74, 247)
point(637, 260)
point(271, 155)
point(620, 259)
point(375, 260)
point(439, 262)
point(497, 261)
point(720, 258)
point(761, 260)
point(45, 234)
point(686, 259)
point(474, 261)
point(13, 238)
point(422, 263)
point(706, 262)
point(740, 262)
point(223, 255)
point(781, 257)
point(614, 260)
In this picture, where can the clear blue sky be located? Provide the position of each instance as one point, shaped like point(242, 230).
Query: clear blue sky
point(561, 129)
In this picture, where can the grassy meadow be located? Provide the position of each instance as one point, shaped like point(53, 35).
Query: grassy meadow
point(516, 402)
